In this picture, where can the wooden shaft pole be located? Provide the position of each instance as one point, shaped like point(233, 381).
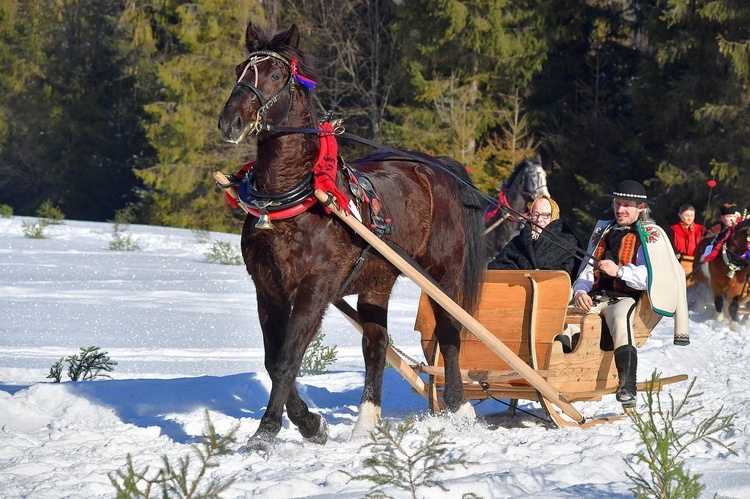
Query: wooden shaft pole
point(469, 322)
point(398, 363)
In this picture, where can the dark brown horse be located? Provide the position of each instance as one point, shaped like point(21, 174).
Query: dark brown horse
point(727, 273)
point(307, 261)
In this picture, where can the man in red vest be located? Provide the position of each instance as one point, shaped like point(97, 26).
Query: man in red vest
point(686, 234)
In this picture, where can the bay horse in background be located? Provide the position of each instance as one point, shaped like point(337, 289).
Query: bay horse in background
point(307, 261)
point(527, 181)
point(727, 273)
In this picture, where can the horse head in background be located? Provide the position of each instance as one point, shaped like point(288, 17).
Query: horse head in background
point(527, 181)
point(727, 273)
point(306, 259)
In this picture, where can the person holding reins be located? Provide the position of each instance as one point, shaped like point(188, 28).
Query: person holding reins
point(632, 255)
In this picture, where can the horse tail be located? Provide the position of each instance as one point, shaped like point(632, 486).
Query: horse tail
point(475, 260)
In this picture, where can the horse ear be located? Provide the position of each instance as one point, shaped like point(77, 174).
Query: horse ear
point(252, 40)
point(292, 36)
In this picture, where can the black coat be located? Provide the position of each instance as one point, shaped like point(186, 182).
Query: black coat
point(523, 253)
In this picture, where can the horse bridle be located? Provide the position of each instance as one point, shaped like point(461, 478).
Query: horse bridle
point(253, 60)
point(504, 187)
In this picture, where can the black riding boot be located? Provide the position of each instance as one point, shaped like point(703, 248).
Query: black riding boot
point(626, 361)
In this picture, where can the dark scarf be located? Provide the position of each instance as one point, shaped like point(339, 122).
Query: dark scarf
point(523, 252)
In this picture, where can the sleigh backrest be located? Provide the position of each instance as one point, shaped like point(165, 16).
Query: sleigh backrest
point(514, 302)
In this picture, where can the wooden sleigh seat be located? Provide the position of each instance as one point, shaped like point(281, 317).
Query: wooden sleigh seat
point(526, 310)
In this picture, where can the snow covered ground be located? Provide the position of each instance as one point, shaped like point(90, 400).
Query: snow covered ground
point(184, 333)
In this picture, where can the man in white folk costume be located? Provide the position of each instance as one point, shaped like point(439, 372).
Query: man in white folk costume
point(633, 256)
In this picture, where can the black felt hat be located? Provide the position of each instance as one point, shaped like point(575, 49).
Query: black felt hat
point(630, 190)
point(729, 209)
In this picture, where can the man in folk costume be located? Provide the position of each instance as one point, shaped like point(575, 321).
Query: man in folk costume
point(633, 255)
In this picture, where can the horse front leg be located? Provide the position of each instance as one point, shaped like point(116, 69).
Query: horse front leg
point(734, 307)
point(304, 322)
point(311, 426)
point(447, 333)
point(372, 309)
point(274, 321)
point(719, 307)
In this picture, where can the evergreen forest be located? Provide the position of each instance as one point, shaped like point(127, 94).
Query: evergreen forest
point(113, 104)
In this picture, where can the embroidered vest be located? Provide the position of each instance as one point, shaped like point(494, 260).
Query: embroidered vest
point(621, 246)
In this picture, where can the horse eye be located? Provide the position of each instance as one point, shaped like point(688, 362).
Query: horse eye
point(275, 76)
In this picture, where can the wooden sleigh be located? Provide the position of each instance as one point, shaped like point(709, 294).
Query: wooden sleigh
point(526, 310)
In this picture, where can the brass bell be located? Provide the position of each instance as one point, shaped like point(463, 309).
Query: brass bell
point(264, 221)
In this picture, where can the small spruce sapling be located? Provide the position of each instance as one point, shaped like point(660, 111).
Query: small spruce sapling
point(225, 253)
point(121, 241)
point(174, 480)
point(317, 357)
point(407, 465)
point(666, 432)
point(52, 213)
point(89, 364)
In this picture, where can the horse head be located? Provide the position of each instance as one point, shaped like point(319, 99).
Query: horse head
point(738, 246)
point(269, 84)
point(533, 180)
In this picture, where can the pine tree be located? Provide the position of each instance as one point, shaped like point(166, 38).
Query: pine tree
point(199, 44)
point(582, 104)
point(468, 67)
point(69, 130)
point(692, 100)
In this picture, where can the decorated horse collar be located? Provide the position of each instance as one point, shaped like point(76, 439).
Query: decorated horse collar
point(298, 199)
point(276, 206)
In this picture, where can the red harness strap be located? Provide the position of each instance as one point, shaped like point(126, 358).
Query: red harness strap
point(502, 200)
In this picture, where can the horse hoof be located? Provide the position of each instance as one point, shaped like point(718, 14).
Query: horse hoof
point(256, 445)
point(719, 317)
point(369, 416)
point(321, 436)
point(734, 326)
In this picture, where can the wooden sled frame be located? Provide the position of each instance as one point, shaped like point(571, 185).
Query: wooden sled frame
point(526, 310)
point(545, 374)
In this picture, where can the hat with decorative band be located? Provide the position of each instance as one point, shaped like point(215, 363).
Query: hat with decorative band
point(631, 191)
point(729, 209)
